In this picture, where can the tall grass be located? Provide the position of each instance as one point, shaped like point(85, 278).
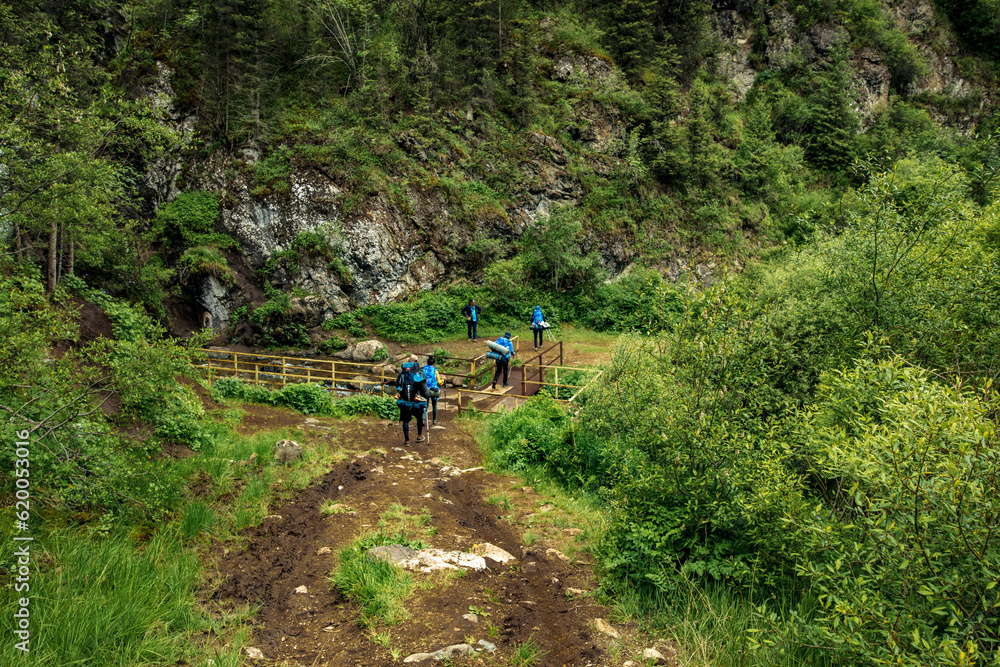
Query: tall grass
point(713, 625)
point(106, 602)
point(378, 586)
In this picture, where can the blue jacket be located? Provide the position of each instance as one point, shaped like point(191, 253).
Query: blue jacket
point(537, 318)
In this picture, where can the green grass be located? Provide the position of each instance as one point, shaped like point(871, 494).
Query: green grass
point(715, 627)
point(111, 601)
point(377, 586)
point(526, 654)
point(196, 517)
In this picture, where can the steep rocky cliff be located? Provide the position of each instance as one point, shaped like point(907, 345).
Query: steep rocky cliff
point(417, 236)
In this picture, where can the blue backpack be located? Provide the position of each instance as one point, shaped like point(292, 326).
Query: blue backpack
point(408, 386)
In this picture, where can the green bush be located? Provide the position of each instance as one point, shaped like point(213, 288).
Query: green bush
point(309, 399)
point(525, 437)
point(375, 405)
point(332, 345)
point(900, 547)
point(188, 221)
point(206, 261)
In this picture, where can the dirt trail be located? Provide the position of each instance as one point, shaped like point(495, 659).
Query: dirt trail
point(526, 601)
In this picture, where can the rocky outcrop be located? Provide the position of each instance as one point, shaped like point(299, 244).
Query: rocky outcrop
point(784, 43)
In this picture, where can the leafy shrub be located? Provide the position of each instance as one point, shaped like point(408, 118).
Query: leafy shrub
point(229, 387)
point(206, 261)
point(309, 399)
point(525, 437)
point(348, 321)
point(376, 405)
point(380, 354)
point(901, 549)
point(188, 221)
point(332, 344)
point(640, 302)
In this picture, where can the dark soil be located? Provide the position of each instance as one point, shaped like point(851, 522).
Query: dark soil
point(526, 601)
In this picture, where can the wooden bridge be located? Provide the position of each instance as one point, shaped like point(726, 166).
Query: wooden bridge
point(476, 374)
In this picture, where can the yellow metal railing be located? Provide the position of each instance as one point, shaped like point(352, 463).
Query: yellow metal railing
point(280, 370)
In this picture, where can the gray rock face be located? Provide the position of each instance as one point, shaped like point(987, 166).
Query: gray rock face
point(786, 44)
point(217, 299)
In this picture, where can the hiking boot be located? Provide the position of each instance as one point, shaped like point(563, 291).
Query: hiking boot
point(434, 422)
point(494, 387)
point(420, 438)
point(506, 385)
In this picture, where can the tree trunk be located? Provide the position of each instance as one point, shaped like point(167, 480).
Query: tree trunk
point(17, 241)
point(72, 245)
point(53, 247)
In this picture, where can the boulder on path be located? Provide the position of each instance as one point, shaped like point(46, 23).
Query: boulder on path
point(447, 653)
point(605, 628)
point(487, 550)
point(427, 560)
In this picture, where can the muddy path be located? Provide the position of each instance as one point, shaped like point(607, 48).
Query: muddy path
point(541, 599)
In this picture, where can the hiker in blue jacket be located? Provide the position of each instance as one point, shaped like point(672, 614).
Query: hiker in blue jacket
point(433, 388)
point(536, 326)
point(472, 312)
point(410, 387)
point(503, 360)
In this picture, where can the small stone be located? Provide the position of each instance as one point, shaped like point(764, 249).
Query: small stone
point(487, 645)
point(654, 655)
point(554, 553)
point(575, 592)
point(454, 651)
point(254, 653)
point(528, 489)
point(630, 663)
point(302, 590)
point(605, 627)
point(276, 517)
point(547, 507)
point(329, 628)
point(471, 618)
point(573, 532)
point(487, 550)
point(323, 551)
point(421, 657)
point(529, 568)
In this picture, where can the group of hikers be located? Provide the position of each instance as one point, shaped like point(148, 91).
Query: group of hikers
point(418, 389)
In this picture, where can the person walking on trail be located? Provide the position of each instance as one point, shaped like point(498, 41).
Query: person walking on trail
point(503, 360)
point(411, 386)
point(433, 388)
point(472, 312)
point(537, 327)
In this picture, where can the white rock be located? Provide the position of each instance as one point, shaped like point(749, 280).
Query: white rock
point(487, 550)
point(302, 590)
point(428, 560)
point(254, 653)
point(605, 627)
point(323, 551)
point(654, 655)
point(553, 553)
point(421, 657)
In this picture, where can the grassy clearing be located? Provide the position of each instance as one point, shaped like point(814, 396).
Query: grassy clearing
point(581, 340)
